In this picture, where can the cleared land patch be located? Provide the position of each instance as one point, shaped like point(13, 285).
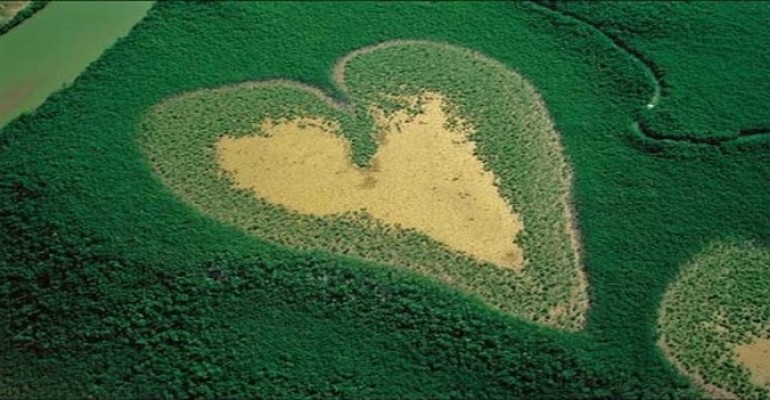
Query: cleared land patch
point(424, 177)
point(716, 320)
point(756, 357)
point(502, 134)
point(8, 9)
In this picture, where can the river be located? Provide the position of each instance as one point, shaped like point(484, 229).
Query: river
point(50, 49)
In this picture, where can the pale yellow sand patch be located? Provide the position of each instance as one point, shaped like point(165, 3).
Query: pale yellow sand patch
point(424, 176)
point(756, 357)
point(9, 8)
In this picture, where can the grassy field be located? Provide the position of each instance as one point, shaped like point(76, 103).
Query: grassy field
point(114, 285)
point(715, 319)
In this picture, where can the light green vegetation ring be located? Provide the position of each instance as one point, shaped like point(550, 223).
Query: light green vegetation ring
point(715, 320)
point(514, 138)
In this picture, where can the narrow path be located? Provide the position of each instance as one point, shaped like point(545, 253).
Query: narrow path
point(639, 127)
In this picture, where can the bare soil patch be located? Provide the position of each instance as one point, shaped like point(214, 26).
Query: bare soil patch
point(425, 176)
point(9, 9)
point(756, 357)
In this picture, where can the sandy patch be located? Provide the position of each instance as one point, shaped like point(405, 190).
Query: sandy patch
point(756, 357)
point(424, 176)
point(9, 9)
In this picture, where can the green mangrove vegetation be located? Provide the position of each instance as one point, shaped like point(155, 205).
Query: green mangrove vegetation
point(115, 284)
point(708, 60)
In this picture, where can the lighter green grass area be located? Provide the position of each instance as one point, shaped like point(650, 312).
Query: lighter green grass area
point(514, 138)
point(51, 49)
point(719, 307)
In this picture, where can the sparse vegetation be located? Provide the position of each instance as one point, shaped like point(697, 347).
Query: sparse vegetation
point(717, 310)
point(14, 12)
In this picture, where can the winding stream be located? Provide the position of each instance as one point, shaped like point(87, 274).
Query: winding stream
point(646, 65)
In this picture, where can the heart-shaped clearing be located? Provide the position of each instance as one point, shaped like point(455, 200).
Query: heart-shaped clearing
point(443, 142)
point(425, 176)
